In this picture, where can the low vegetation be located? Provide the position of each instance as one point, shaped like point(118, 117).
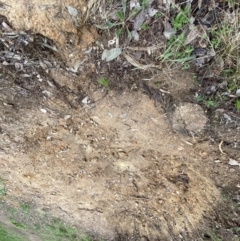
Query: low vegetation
point(197, 35)
point(25, 222)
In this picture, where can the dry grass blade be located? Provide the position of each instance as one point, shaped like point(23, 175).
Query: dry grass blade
point(136, 64)
point(147, 49)
point(220, 147)
point(199, 4)
point(92, 6)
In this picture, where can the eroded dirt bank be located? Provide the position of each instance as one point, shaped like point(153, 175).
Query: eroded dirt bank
point(111, 164)
point(61, 21)
point(116, 162)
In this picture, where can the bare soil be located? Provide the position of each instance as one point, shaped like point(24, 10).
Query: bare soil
point(112, 166)
point(121, 162)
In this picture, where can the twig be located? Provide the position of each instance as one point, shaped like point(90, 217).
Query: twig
point(220, 148)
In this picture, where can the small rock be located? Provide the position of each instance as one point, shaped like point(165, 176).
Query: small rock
point(85, 100)
point(233, 162)
point(238, 92)
point(189, 117)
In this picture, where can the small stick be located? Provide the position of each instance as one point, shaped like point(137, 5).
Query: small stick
point(220, 147)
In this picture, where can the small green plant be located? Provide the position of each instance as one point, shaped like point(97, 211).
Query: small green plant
point(219, 36)
point(143, 4)
point(17, 224)
point(57, 230)
point(235, 230)
point(232, 84)
point(208, 101)
point(214, 236)
point(103, 82)
point(144, 27)
point(223, 39)
point(176, 51)
point(181, 18)
point(25, 207)
point(158, 15)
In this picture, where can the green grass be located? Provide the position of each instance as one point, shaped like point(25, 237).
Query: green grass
point(181, 18)
point(25, 207)
point(2, 188)
point(176, 51)
point(8, 234)
point(25, 220)
point(103, 82)
point(208, 101)
point(57, 230)
point(17, 224)
point(225, 40)
point(214, 236)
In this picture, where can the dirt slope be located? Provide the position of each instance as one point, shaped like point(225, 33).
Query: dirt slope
point(112, 167)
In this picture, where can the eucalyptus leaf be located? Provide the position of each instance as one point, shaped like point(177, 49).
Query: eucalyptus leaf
point(111, 54)
point(140, 18)
point(72, 11)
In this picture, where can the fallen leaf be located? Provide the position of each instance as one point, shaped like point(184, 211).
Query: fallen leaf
point(111, 54)
point(168, 30)
point(191, 36)
point(72, 11)
point(140, 18)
